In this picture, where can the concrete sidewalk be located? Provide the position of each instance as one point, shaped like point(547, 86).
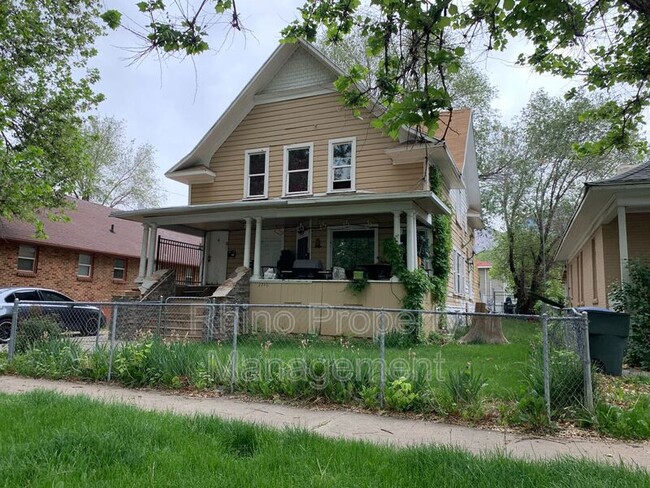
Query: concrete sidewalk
point(350, 425)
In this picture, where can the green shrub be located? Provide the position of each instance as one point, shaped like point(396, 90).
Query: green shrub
point(628, 423)
point(566, 381)
point(633, 297)
point(400, 395)
point(464, 393)
point(36, 329)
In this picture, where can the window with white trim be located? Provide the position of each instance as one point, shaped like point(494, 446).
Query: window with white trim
point(342, 159)
point(459, 273)
point(119, 269)
point(85, 266)
point(256, 173)
point(350, 247)
point(27, 258)
point(297, 169)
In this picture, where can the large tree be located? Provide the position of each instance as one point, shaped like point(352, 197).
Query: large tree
point(45, 87)
point(532, 202)
point(604, 43)
point(121, 173)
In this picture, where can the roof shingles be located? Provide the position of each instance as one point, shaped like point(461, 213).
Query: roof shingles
point(91, 228)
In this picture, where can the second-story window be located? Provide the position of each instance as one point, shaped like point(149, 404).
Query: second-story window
point(341, 164)
point(297, 169)
point(257, 173)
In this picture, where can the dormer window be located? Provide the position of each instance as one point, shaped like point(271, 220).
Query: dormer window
point(297, 169)
point(342, 158)
point(257, 173)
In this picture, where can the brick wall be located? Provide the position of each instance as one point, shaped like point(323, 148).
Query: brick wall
point(57, 269)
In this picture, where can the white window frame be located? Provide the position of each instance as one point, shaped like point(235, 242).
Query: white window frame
point(459, 273)
point(285, 171)
point(124, 260)
point(247, 175)
point(330, 239)
point(330, 165)
point(34, 259)
point(89, 266)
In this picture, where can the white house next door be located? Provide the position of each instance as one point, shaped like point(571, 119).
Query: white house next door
point(217, 258)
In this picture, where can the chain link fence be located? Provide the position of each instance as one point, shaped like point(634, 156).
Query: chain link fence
point(567, 363)
point(335, 352)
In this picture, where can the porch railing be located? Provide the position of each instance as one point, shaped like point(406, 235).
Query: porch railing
point(182, 257)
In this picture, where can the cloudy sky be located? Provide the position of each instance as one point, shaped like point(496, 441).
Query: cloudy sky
point(171, 104)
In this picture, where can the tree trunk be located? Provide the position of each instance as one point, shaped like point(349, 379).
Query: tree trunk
point(484, 329)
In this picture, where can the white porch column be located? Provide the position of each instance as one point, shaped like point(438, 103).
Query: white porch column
point(257, 257)
point(397, 226)
point(151, 255)
point(143, 253)
point(622, 243)
point(411, 241)
point(247, 243)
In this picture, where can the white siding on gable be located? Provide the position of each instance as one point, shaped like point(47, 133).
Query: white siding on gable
point(300, 71)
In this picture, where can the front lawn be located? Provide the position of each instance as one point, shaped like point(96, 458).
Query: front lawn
point(52, 440)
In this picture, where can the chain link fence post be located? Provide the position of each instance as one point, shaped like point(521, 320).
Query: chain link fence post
point(382, 359)
point(112, 349)
point(160, 314)
point(14, 329)
point(233, 354)
point(586, 363)
point(546, 365)
point(100, 316)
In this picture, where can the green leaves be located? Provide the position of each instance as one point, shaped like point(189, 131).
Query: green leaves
point(113, 18)
point(45, 88)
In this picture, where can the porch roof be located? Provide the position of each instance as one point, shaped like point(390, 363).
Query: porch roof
point(195, 219)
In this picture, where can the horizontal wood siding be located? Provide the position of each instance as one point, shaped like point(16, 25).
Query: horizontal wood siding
point(306, 120)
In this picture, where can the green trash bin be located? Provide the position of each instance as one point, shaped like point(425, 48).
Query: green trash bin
point(608, 333)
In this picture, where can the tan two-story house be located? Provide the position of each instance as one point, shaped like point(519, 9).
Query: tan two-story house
point(295, 186)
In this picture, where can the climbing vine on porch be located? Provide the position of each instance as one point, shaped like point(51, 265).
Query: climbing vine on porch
point(441, 245)
point(416, 285)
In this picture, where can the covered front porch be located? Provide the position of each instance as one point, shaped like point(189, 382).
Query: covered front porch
point(302, 250)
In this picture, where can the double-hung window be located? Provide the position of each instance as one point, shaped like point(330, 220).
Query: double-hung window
point(256, 173)
point(297, 169)
point(85, 266)
point(342, 155)
point(119, 269)
point(27, 258)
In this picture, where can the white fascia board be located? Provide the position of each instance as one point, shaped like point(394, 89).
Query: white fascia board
point(195, 174)
point(293, 207)
point(470, 168)
point(236, 111)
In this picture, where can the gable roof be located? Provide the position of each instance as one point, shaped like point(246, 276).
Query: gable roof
point(637, 174)
point(292, 71)
point(263, 87)
point(599, 203)
point(91, 228)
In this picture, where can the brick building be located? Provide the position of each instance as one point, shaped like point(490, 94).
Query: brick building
point(90, 258)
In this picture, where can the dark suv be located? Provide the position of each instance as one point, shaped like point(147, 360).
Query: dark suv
point(69, 315)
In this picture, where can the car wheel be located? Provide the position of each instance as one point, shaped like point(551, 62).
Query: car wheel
point(5, 330)
point(90, 328)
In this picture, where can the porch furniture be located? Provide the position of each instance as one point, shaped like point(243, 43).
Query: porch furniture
point(306, 268)
point(379, 271)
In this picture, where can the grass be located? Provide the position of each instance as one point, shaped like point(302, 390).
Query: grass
point(58, 441)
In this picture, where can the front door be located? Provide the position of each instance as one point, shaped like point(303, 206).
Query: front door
point(217, 259)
